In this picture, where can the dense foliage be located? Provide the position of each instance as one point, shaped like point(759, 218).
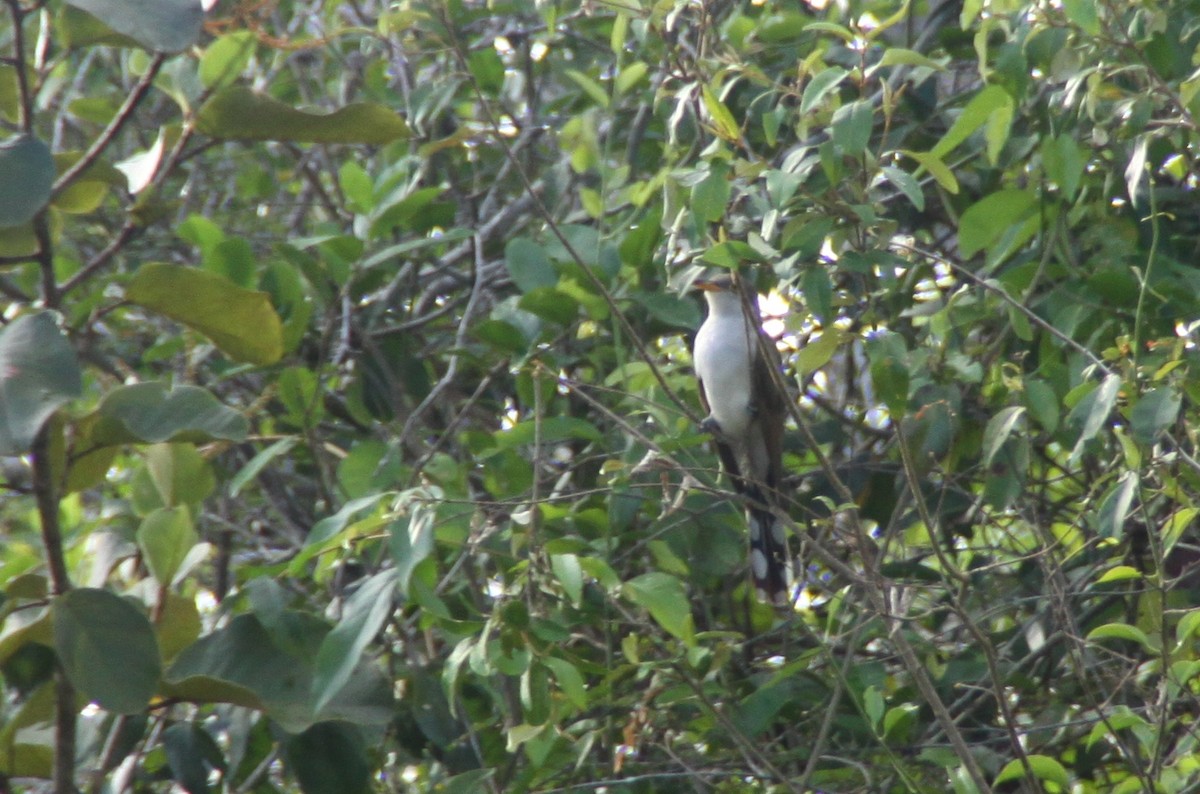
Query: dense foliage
point(350, 441)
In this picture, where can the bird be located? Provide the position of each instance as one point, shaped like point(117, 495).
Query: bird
point(746, 413)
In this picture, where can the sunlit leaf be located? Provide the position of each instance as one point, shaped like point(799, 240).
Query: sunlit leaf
point(241, 322)
point(237, 113)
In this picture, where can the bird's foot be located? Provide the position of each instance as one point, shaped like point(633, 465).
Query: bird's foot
point(710, 425)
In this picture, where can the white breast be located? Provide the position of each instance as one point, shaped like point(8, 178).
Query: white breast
point(722, 357)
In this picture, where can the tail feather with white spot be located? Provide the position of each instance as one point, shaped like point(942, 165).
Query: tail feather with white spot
point(770, 560)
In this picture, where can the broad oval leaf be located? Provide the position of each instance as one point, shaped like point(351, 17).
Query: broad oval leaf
point(528, 265)
point(237, 113)
point(148, 413)
point(666, 599)
point(162, 25)
point(26, 176)
point(986, 220)
point(329, 758)
point(38, 373)
point(821, 85)
point(107, 649)
point(241, 322)
point(1155, 413)
point(165, 538)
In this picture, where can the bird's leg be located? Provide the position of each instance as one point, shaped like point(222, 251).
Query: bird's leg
point(710, 425)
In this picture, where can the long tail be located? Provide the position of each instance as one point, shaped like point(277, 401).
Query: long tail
point(770, 560)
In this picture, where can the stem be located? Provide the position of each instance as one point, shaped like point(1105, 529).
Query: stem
point(64, 692)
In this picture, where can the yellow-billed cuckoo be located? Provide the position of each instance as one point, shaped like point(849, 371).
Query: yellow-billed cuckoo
point(746, 413)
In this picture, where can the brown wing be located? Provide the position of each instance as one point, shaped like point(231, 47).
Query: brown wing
point(725, 452)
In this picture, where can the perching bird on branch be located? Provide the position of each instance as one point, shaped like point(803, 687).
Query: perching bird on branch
point(746, 413)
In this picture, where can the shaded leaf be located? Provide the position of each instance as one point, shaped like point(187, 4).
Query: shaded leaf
point(38, 374)
point(26, 176)
point(528, 265)
point(148, 413)
point(107, 648)
point(329, 758)
point(1155, 413)
point(342, 648)
point(165, 538)
point(163, 25)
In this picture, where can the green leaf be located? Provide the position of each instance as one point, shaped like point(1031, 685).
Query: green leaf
point(237, 113)
point(190, 751)
point(569, 574)
point(1043, 766)
point(1084, 14)
point(852, 127)
point(819, 351)
point(259, 462)
point(1064, 163)
point(1119, 573)
point(241, 322)
point(225, 58)
point(366, 612)
point(410, 542)
point(39, 373)
point(180, 473)
point(666, 599)
point(711, 194)
point(730, 254)
point(898, 56)
point(1092, 412)
point(726, 125)
point(107, 648)
point(907, 184)
point(820, 86)
point(1043, 404)
point(1114, 508)
point(888, 358)
point(669, 308)
point(1155, 413)
point(991, 99)
point(570, 681)
point(553, 428)
point(998, 429)
point(329, 758)
point(165, 538)
point(1122, 631)
point(163, 25)
point(148, 413)
point(986, 220)
point(26, 176)
point(936, 168)
point(528, 265)
point(590, 87)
